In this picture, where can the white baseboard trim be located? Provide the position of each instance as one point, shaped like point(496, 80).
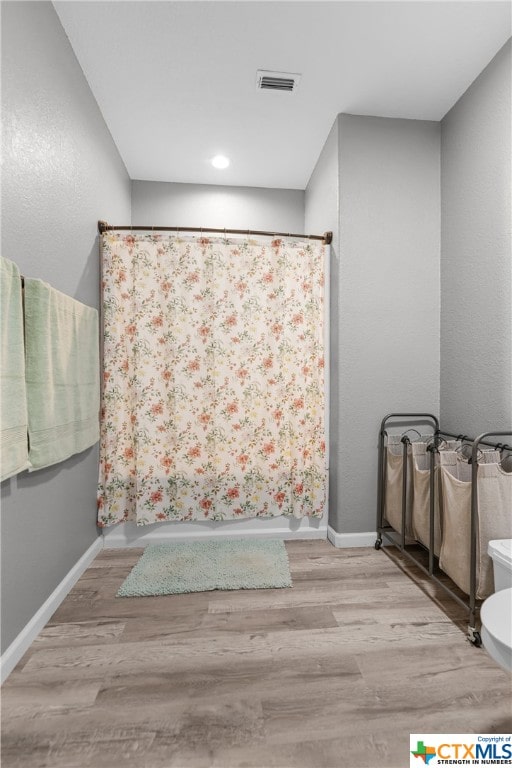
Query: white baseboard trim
point(30, 631)
point(342, 540)
point(130, 535)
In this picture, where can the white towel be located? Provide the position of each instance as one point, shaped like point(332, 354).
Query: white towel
point(62, 374)
point(13, 405)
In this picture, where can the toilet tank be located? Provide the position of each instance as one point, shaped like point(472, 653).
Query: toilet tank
point(501, 552)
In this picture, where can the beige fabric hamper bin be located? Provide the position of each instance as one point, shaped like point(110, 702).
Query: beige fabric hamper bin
point(494, 488)
point(393, 483)
point(420, 515)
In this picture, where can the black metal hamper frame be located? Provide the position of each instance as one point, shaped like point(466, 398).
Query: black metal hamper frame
point(398, 538)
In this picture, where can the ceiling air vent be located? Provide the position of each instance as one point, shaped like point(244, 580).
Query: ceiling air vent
point(277, 81)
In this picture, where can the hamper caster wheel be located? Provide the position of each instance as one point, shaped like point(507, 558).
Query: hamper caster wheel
point(378, 544)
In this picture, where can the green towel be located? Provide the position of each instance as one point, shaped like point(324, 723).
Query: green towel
point(62, 374)
point(13, 414)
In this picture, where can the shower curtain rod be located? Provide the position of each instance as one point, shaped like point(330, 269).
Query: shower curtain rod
point(326, 238)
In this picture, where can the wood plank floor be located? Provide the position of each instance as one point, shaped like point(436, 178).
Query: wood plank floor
point(336, 671)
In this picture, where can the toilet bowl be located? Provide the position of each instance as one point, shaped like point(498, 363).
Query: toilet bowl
point(496, 618)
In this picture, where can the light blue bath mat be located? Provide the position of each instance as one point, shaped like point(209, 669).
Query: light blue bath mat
point(200, 566)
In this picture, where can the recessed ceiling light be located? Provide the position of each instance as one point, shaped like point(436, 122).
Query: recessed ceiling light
point(219, 161)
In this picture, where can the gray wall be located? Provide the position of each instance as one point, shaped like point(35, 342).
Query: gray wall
point(385, 295)
point(61, 173)
point(322, 192)
point(476, 261)
point(321, 215)
point(208, 205)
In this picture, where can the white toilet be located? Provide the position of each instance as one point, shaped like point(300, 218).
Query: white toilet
point(496, 611)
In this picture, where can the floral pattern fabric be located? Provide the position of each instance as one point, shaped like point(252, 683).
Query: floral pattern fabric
point(213, 381)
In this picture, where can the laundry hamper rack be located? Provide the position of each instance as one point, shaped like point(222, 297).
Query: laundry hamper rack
point(399, 533)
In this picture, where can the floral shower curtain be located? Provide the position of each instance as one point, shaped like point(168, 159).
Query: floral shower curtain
point(213, 382)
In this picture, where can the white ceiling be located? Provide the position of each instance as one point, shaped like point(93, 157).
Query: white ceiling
point(176, 81)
